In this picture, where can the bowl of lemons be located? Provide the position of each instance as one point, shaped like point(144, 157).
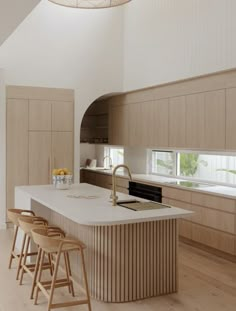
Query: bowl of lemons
point(62, 178)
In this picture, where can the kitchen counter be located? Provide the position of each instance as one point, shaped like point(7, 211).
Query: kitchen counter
point(225, 191)
point(130, 255)
point(97, 211)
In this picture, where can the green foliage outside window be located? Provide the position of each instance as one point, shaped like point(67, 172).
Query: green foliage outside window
point(188, 164)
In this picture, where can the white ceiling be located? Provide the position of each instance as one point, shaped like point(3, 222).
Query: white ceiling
point(12, 13)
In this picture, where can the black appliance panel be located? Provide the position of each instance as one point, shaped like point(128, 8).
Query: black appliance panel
point(147, 192)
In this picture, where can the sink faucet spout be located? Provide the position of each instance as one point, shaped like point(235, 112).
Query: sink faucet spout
point(114, 196)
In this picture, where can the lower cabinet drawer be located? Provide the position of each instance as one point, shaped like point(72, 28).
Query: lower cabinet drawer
point(213, 238)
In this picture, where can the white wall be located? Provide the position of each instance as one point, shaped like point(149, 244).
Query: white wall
point(2, 151)
point(64, 47)
point(168, 40)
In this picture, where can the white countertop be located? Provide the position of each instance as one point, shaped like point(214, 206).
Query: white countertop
point(96, 211)
point(225, 191)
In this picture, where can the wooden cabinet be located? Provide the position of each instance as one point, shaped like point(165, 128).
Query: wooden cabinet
point(39, 136)
point(105, 181)
point(158, 124)
point(62, 149)
point(135, 129)
point(62, 116)
point(40, 115)
point(215, 120)
point(195, 120)
point(119, 125)
point(213, 222)
point(230, 119)
point(17, 146)
point(40, 164)
point(177, 128)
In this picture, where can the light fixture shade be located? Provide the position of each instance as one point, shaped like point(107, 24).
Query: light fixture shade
point(90, 4)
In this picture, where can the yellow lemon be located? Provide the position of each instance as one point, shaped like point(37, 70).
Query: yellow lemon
point(55, 171)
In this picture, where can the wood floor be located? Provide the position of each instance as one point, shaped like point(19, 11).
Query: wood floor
point(207, 283)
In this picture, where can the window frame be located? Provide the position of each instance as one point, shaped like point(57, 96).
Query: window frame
point(176, 168)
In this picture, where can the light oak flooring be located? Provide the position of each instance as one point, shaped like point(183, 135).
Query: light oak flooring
point(207, 283)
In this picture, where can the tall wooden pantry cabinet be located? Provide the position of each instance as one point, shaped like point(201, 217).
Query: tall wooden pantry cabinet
point(40, 135)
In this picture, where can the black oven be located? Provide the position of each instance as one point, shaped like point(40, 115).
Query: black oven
point(147, 192)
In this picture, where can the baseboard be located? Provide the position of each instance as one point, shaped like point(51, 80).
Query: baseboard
point(209, 249)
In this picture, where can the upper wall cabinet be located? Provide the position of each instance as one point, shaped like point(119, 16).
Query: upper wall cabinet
point(158, 124)
point(177, 127)
point(195, 110)
point(119, 125)
point(215, 120)
point(135, 128)
point(230, 119)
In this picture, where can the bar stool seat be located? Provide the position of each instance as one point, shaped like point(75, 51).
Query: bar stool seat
point(58, 246)
point(13, 215)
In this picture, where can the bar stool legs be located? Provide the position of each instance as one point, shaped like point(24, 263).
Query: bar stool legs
point(61, 247)
point(21, 257)
point(12, 254)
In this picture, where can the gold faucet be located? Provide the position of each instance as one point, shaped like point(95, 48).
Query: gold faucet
point(114, 196)
point(110, 161)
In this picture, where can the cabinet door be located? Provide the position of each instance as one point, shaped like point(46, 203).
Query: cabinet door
point(159, 111)
point(195, 107)
point(40, 115)
point(215, 120)
point(62, 150)
point(119, 125)
point(40, 158)
point(230, 119)
point(177, 122)
point(62, 116)
point(135, 129)
point(17, 146)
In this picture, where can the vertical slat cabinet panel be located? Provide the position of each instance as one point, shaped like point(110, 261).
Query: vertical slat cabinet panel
point(195, 107)
point(215, 120)
point(134, 124)
point(40, 161)
point(230, 119)
point(17, 146)
point(177, 111)
point(40, 115)
point(159, 124)
point(145, 124)
point(118, 125)
point(62, 150)
point(62, 116)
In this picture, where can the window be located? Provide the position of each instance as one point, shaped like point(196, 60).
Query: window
point(116, 154)
point(197, 166)
point(163, 162)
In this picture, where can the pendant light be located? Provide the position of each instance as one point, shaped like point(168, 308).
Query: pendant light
point(90, 4)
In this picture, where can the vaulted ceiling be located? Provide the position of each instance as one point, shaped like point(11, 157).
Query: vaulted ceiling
point(12, 13)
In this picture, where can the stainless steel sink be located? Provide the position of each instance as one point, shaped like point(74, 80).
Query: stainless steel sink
point(142, 206)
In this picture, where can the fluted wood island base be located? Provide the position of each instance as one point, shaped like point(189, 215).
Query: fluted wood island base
point(124, 262)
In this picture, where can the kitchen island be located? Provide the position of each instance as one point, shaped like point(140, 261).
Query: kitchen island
point(130, 255)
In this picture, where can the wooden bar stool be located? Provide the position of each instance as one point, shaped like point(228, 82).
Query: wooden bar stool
point(27, 224)
point(58, 246)
point(13, 215)
point(52, 231)
point(24, 253)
